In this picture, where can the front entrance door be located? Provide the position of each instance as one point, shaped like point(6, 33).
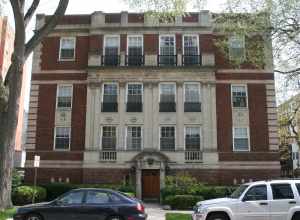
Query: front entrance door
point(151, 184)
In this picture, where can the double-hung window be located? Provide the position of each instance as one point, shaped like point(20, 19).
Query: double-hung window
point(109, 138)
point(110, 97)
point(111, 51)
point(134, 97)
point(191, 50)
point(167, 50)
point(134, 138)
point(192, 139)
point(239, 96)
point(67, 48)
point(241, 139)
point(237, 48)
point(64, 96)
point(192, 100)
point(167, 138)
point(167, 102)
point(135, 51)
point(62, 138)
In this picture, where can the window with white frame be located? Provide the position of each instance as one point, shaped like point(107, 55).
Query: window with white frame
point(67, 48)
point(134, 138)
point(192, 138)
point(134, 97)
point(64, 96)
point(167, 138)
point(167, 97)
point(111, 50)
point(110, 97)
point(237, 48)
point(241, 139)
point(239, 96)
point(109, 138)
point(192, 100)
point(135, 50)
point(191, 50)
point(167, 48)
point(62, 138)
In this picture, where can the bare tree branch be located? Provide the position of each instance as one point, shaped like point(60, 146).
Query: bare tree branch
point(31, 11)
point(297, 70)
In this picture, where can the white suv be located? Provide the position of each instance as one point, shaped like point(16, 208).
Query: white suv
point(264, 200)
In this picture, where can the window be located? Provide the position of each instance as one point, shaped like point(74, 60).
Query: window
point(167, 138)
point(256, 193)
point(64, 96)
point(237, 48)
point(167, 102)
point(239, 96)
point(109, 138)
point(67, 48)
point(298, 187)
point(62, 138)
point(241, 139)
point(192, 138)
point(282, 191)
point(134, 97)
point(94, 197)
point(135, 51)
point(72, 198)
point(110, 97)
point(192, 97)
point(134, 138)
point(191, 50)
point(167, 55)
point(111, 51)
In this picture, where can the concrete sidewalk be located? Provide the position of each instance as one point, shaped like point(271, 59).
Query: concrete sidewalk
point(155, 212)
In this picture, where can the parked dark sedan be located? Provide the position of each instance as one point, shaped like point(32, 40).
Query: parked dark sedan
point(85, 204)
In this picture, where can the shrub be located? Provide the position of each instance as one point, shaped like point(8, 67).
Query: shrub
point(23, 195)
point(182, 201)
point(16, 179)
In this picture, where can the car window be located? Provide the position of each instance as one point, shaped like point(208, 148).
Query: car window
point(95, 197)
point(239, 191)
point(282, 191)
point(72, 198)
point(115, 198)
point(298, 187)
point(256, 193)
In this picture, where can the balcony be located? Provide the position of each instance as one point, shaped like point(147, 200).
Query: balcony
point(167, 107)
point(191, 60)
point(192, 107)
point(109, 107)
point(134, 107)
point(108, 156)
point(193, 156)
point(167, 60)
point(110, 60)
point(134, 60)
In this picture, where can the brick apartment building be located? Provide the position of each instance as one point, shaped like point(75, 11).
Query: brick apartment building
point(126, 98)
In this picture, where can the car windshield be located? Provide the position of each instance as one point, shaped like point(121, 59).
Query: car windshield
point(239, 191)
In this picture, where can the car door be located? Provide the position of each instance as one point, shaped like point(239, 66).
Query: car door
point(97, 205)
point(283, 200)
point(255, 204)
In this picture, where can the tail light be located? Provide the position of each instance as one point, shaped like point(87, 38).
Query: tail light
point(140, 207)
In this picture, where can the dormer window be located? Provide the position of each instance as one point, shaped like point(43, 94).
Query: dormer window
point(67, 48)
point(111, 51)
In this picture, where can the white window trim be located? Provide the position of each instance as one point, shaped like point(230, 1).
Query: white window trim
point(192, 126)
point(109, 83)
point(192, 83)
point(231, 91)
point(142, 135)
point(167, 35)
point(134, 83)
point(101, 135)
point(104, 43)
point(70, 138)
point(137, 35)
point(248, 136)
point(244, 47)
point(57, 92)
point(175, 133)
point(191, 35)
point(167, 83)
point(60, 47)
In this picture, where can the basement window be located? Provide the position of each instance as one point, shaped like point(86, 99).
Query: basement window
point(67, 48)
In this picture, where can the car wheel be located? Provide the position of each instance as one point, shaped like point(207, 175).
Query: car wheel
point(218, 216)
point(34, 217)
point(296, 216)
point(115, 218)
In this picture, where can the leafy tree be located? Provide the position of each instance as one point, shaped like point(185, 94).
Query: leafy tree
point(11, 87)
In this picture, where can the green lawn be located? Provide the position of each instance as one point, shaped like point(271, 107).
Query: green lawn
point(7, 214)
point(178, 216)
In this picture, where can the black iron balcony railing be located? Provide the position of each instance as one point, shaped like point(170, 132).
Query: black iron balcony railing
point(109, 107)
point(167, 144)
point(110, 60)
point(190, 60)
point(167, 60)
point(134, 60)
point(167, 107)
point(134, 107)
point(192, 107)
